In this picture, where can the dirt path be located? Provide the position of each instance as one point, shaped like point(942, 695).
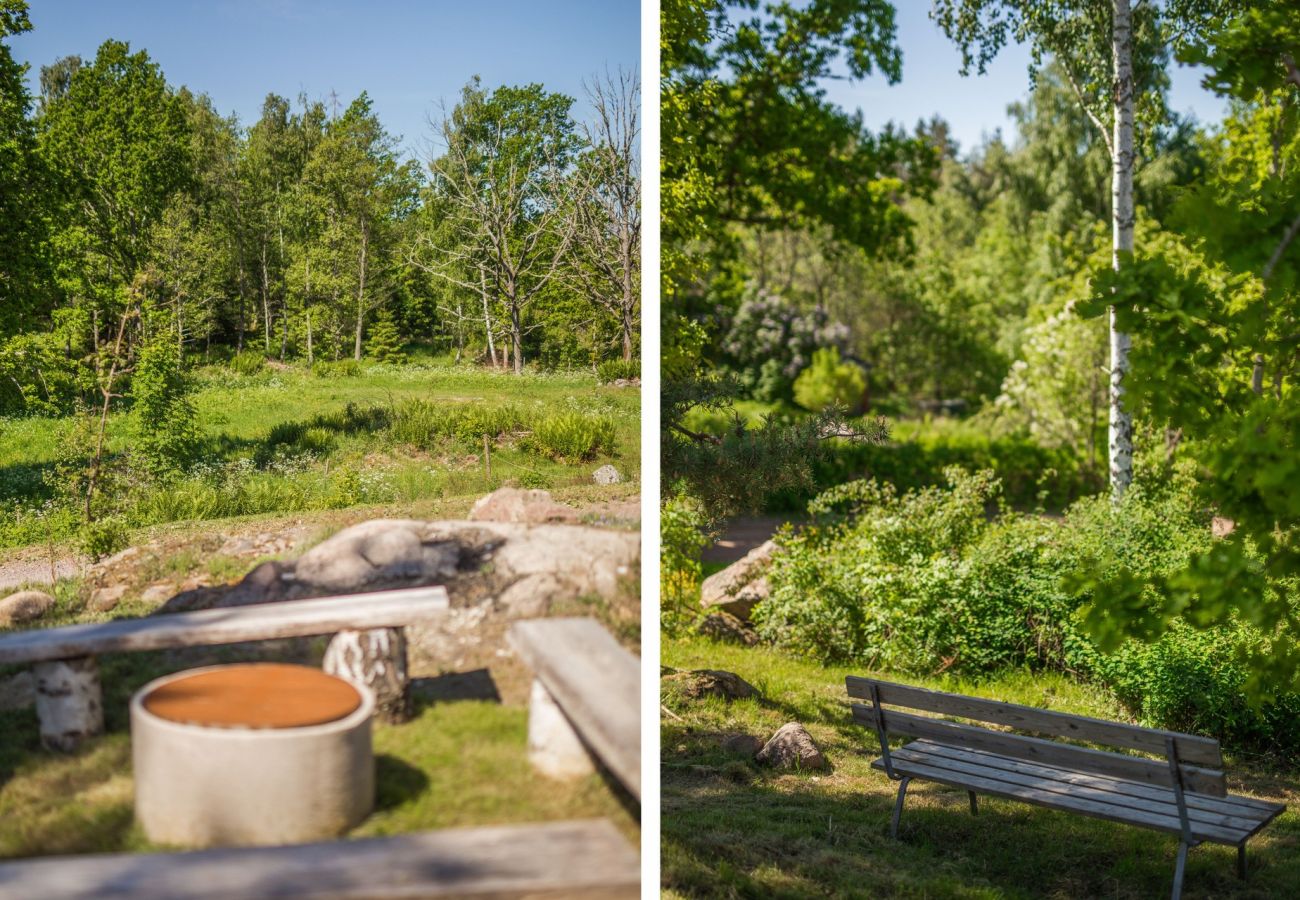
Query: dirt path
point(28, 567)
point(740, 535)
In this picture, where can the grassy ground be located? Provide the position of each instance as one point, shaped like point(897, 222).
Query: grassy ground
point(282, 441)
point(731, 829)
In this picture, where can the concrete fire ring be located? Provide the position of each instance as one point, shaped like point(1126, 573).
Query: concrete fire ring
point(239, 784)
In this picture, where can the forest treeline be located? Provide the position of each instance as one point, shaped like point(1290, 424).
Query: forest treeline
point(134, 214)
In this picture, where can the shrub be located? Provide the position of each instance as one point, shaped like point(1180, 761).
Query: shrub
point(572, 436)
point(339, 368)
point(102, 538)
point(830, 382)
point(926, 582)
point(683, 534)
point(423, 424)
point(248, 362)
point(167, 436)
point(618, 370)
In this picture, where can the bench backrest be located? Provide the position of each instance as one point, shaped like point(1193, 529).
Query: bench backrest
point(595, 682)
point(208, 627)
point(1198, 759)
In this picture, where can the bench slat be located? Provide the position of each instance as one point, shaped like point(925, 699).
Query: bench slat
point(1043, 751)
point(1042, 796)
point(262, 621)
point(596, 683)
point(584, 858)
point(1194, 749)
point(1257, 811)
point(1098, 790)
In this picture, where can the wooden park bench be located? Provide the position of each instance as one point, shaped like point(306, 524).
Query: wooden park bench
point(69, 700)
point(583, 858)
point(1183, 794)
point(585, 700)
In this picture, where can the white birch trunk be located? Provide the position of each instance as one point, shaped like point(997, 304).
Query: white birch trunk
point(1120, 432)
point(69, 703)
point(375, 659)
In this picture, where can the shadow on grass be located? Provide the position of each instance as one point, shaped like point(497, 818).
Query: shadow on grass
point(734, 830)
point(453, 686)
point(396, 782)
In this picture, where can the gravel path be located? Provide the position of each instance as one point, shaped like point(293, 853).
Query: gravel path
point(29, 568)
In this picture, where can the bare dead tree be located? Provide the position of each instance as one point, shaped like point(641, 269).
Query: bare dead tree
point(607, 208)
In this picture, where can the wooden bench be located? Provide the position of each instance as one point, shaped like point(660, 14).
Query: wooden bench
point(583, 858)
point(368, 648)
point(1183, 794)
point(586, 699)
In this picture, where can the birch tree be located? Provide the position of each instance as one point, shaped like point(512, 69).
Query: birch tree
point(1113, 54)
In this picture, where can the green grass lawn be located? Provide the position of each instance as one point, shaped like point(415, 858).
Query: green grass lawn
point(733, 829)
point(285, 440)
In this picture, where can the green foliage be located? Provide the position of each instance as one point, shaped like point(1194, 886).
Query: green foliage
point(167, 434)
point(618, 370)
point(828, 383)
point(102, 538)
point(424, 425)
point(385, 341)
point(339, 368)
point(572, 436)
point(927, 582)
point(683, 533)
point(248, 362)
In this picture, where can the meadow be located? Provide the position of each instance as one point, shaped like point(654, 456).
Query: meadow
point(733, 829)
point(282, 439)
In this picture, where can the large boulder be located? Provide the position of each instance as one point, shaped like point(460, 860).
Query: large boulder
point(741, 586)
point(24, 606)
point(792, 747)
point(510, 504)
point(722, 626)
point(380, 552)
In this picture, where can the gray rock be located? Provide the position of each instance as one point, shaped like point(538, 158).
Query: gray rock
point(723, 626)
point(607, 475)
point(158, 593)
point(510, 504)
point(382, 551)
point(741, 586)
point(792, 747)
point(105, 599)
point(24, 606)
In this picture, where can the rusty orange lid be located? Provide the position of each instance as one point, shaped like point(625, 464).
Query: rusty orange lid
point(254, 695)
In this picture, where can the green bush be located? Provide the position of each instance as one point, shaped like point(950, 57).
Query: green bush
point(830, 382)
point(683, 535)
point(928, 582)
point(572, 436)
point(102, 538)
point(385, 341)
point(248, 362)
point(424, 425)
point(339, 368)
point(618, 369)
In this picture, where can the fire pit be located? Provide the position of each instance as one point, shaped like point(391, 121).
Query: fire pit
point(260, 753)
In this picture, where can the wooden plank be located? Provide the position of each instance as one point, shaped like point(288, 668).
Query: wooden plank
point(562, 859)
point(1038, 750)
point(1165, 806)
point(1192, 749)
point(595, 682)
point(1039, 796)
point(1259, 812)
point(262, 621)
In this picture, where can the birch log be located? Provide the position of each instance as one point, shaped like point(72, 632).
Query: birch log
point(69, 703)
point(375, 659)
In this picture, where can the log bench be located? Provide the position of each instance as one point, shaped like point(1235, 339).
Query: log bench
point(368, 649)
point(1183, 794)
point(582, 858)
point(585, 705)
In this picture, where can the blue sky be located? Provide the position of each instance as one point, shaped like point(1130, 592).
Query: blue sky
point(408, 55)
point(975, 105)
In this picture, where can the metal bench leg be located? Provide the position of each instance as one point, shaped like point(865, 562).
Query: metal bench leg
point(1179, 864)
point(1241, 860)
point(974, 804)
point(898, 806)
